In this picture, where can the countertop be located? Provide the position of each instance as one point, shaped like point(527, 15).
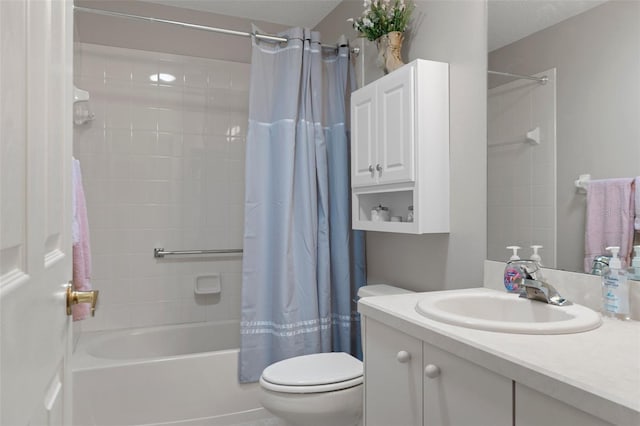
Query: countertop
point(597, 371)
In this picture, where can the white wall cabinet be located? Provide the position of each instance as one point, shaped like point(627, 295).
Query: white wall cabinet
point(411, 383)
point(400, 149)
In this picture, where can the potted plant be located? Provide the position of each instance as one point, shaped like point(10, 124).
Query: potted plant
point(385, 21)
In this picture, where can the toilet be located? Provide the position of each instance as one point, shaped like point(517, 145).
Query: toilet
point(318, 389)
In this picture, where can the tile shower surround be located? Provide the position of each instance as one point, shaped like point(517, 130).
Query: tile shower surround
point(163, 166)
point(521, 178)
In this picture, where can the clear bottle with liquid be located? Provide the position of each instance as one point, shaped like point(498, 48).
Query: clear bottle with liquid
point(615, 288)
point(410, 214)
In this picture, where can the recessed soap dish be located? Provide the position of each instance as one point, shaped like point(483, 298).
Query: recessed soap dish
point(208, 284)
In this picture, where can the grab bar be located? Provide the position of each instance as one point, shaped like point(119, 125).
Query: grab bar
point(160, 252)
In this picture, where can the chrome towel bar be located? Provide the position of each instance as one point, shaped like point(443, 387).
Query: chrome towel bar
point(160, 252)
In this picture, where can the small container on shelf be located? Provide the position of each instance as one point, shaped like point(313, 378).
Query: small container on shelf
point(410, 214)
point(396, 218)
point(380, 214)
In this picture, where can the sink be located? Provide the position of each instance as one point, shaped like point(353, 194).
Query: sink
point(492, 310)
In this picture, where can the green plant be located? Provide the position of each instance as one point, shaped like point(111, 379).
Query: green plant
point(383, 16)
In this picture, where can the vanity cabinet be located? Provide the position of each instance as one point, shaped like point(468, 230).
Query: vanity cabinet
point(533, 408)
point(392, 377)
point(400, 149)
point(409, 382)
point(458, 392)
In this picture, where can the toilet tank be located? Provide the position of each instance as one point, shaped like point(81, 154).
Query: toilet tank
point(380, 290)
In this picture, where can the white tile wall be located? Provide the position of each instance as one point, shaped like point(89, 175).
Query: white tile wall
point(521, 178)
point(163, 166)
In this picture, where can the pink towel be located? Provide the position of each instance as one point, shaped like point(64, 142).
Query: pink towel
point(637, 195)
point(610, 217)
point(81, 249)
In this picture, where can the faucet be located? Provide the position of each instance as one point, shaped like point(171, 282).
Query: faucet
point(532, 284)
point(599, 263)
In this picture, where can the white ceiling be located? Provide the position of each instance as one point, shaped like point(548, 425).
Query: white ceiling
point(295, 13)
point(509, 20)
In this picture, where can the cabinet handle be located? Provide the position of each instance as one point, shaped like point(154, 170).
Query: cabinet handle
point(432, 371)
point(370, 168)
point(403, 356)
point(378, 167)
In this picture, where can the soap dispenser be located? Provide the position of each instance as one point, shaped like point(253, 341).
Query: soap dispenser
point(634, 271)
point(535, 256)
point(615, 288)
point(515, 249)
point(511, 273)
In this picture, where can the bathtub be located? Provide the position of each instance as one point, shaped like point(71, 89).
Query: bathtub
point(182, 375)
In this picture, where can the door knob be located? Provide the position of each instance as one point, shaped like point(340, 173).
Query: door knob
point(370, 168)
point(74, 297)
point(378, 167)
point(432, 371)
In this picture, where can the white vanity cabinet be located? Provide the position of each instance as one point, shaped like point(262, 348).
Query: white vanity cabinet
point(533, 408)
point(460, 393)
point(392, 377)
point(410, 383)
point(400, 148)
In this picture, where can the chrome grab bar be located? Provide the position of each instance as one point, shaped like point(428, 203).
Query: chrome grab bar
point(160, 252)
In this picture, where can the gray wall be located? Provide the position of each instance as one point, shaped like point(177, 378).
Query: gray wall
point(453, 32)
point(597, 56)
point(156, 37)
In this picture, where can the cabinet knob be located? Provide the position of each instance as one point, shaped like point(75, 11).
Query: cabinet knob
point(432, 371)
point(403, 356)
point(378, 167)
point(370, 168)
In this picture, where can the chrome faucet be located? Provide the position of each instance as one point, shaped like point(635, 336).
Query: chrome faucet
point(532, 285)
point(599, 263)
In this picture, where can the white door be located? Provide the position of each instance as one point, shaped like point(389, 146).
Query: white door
point(363, 136)
point(393, 376)
point(460, 393)
point(396, 132)
point(35, 210)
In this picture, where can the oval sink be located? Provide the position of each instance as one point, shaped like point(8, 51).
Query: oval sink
point(505, 312)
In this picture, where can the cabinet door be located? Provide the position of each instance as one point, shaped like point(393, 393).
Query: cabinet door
point(392, 378)
point(363, 136)
point(396, 132)
point(460, 393)
point(536, 409)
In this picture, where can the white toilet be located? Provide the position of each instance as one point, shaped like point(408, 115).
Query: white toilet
point(318, 389)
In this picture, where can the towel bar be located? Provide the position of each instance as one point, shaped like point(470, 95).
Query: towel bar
point(160, 252)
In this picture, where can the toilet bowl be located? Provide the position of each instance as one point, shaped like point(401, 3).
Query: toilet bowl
point(318, 389)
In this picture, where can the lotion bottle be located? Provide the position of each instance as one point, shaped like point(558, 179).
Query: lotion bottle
point(634, 271)
point(615, 288)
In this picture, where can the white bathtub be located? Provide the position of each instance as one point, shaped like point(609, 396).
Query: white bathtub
point(177, 375)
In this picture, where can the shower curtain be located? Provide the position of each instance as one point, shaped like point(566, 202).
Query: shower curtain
point(302, 264)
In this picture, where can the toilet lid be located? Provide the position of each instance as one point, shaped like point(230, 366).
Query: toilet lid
point(315, 370)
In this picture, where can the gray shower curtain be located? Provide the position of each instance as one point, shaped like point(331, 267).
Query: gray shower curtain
point(293, 283)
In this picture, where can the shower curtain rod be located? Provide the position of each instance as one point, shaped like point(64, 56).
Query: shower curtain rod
point(542, 80)
point(259, 36)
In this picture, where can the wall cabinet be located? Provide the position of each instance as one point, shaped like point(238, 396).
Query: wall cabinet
point(409, 383)
point(400, 148)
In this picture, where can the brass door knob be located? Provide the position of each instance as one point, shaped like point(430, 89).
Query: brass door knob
point(74, 297)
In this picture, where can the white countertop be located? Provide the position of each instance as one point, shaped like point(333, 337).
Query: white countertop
point(596, 371)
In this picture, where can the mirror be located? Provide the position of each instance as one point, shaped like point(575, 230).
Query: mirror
point(541, 137)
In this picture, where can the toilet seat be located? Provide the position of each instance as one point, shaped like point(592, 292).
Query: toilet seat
point(315, 373)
